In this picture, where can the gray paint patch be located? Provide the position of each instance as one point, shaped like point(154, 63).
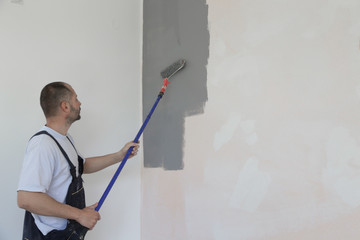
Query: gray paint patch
point(173, 29)
point(21, 2)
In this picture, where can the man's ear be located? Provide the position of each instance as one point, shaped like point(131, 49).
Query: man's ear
point(65, 106)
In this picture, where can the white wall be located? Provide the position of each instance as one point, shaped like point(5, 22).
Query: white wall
point(96, 47)
point(274, 156)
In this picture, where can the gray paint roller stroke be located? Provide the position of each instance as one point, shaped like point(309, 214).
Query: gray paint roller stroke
point(173, 29)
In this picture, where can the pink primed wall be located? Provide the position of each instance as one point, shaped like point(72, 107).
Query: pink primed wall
point(276, 154)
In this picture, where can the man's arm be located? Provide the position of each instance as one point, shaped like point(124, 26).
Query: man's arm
point(95, 164)
point(42, 204)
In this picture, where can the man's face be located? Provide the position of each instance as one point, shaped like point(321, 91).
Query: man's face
point(74, 107)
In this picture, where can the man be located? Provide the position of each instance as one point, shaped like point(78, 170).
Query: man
point(50, 187)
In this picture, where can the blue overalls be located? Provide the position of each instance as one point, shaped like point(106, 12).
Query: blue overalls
point(75, 197)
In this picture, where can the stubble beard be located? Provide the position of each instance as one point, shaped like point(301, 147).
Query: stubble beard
point(75, 115)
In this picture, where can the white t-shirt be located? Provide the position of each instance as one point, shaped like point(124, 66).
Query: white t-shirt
point(46, 170)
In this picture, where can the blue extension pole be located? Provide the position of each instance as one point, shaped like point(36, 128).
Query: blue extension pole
point(128, 153)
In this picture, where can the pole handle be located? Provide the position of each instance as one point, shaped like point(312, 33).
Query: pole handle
point(128, 153)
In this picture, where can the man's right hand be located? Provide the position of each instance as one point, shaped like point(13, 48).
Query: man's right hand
point(89, 217)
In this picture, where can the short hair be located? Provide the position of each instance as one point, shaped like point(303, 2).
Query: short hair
point(51, 97)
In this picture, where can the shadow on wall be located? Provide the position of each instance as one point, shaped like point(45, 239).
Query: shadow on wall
point(173, 29)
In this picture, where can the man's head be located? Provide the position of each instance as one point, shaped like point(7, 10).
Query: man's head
point(60, 97)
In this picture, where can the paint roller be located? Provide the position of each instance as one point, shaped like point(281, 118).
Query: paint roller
point(166, 74)
point(77, 231)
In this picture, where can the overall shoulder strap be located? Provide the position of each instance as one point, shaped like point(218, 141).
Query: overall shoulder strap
point(72, 167)
point(80, 159)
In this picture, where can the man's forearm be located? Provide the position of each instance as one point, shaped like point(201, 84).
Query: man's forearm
point(42, 204)
point(95, 164)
